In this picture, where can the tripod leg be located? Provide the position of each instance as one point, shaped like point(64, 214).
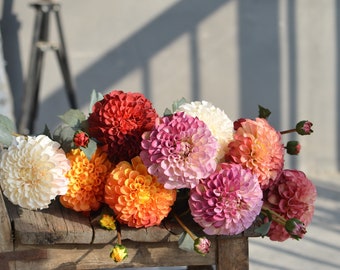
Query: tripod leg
point(31, 91)
point(64, 66)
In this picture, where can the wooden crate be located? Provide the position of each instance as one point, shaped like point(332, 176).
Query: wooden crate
point(59, 238)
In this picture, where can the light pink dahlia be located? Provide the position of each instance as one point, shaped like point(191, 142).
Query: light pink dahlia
point(227, 202)
point(180, 150)
point(293, 196)
point(258, 147)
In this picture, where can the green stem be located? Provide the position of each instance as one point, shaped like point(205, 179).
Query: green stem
point(185, 228)
point(276, 217)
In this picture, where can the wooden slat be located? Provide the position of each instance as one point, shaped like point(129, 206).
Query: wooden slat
point(6, 242)
point(97, 256)
point(232, 253)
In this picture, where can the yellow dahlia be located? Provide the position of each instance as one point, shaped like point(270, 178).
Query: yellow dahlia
point(86, 180)
point(136, 197)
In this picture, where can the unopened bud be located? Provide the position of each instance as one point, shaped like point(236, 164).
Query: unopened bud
point(304, 127)
point(293, 147)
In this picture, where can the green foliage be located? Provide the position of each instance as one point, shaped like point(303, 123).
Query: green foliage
point(90, 149)
point(73, 118)
point(7, 129)
point(264, 112)
point(263, 229)
point(64, 135)
point(95, 97)
point(175, 106)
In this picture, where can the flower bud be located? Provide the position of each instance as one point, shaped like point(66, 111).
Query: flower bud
point(81, 139)
point(293, 147)
point(118, 253)
point(202, 245)
point(304, 127)
point(107, 222)
point(295, 228)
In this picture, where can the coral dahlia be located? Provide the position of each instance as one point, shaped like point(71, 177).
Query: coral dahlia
point(258, 147)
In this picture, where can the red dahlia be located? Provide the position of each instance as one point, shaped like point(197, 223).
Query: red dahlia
point(118, 122)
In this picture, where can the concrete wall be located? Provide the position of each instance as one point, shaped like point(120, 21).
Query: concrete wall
point(237, 54)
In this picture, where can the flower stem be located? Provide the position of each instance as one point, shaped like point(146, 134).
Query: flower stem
point(288, 131)
point(276, 217)
point(185, 228)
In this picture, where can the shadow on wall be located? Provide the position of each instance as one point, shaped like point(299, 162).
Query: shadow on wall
point(260, 74)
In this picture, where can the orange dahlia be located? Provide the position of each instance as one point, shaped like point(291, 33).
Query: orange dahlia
point(136, 197)
point(87, 180)
point(257, 146)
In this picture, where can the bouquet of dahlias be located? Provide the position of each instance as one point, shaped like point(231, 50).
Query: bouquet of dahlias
point(126, 156)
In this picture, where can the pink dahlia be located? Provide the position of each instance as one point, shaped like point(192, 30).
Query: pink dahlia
point(293, 196)
point(180, 150)
point(118, 122)
point(227, 202)
point(258, 147)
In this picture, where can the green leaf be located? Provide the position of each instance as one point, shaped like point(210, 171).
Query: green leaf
point(47, 132)
point(95, 97)
point(90, 149)
point(73, 118)
point(64, 135)
point(264, 112)
point(263, 229)
point(7, 128)
point(175, 105)
point(185, 242)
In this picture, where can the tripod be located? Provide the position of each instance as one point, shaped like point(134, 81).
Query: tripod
point(40, 45)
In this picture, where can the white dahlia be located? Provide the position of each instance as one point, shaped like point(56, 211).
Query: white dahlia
point(218, 122)
point(32, 171)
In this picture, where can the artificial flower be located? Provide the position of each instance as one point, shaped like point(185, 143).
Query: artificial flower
point(293, 196)
point(32, 171)
point(87, 180)
point(258, 147)
point(118, 253)
point(180, 150)
point(217, 121)
point(136, 197)
point(118, 121)
point(227, 202)
point(107, 222)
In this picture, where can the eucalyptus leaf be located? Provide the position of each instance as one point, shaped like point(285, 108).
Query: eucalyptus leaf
point(95, 97)
point(73, 118)
point(7, 128)
point(185, 242)
point(263, 229)
point(90, 149)
point(64, 135)
point(175, 105)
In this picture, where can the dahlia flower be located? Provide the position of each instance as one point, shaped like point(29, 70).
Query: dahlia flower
point(217, 121)
point(258, 147)
point(293, 196)
point(180, 150)
point(87, 180)
point(227, 202)
point(119, 253)
point(32, 171)
point(136, 197)
point(118, 122)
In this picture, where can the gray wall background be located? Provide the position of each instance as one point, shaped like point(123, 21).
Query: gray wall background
point(281, 54)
